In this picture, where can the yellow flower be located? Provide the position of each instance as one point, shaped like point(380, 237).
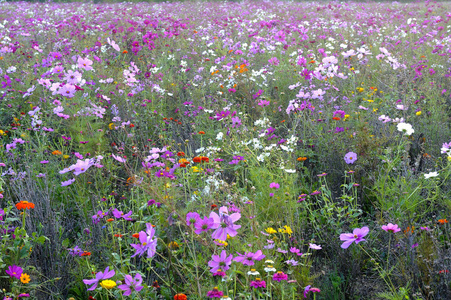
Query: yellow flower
point(418, 113)
point(2, 132)
point(360, 89)
point(270, 230)
point(111, 126)
point(173, 245)
point(196, 169)
point(108, 284)
point(25, 278)
point(346, 117)
point(65, 156)
point(286, 229)
point(223, 243)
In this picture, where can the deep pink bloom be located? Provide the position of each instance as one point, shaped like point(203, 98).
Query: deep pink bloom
point(258, 283)
point(356, 236)
point(223, 223)
point(222, 262)
point(391, 227)
point(274, 185)
point(308, 289)
point(279, 276)
point(131, 284)
point(248, 258)
point(99, 276)
point(215, 293)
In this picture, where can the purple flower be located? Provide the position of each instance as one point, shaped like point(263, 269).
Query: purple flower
point(99, 276)
point(356, 236)
point(222, 262)
point(350, 157)
point(274, 185)
point(148, 243)
point(68, 182)
point(119, 214)
point(295, 251)
point(14, 271)
point(203, 225)
point(224, 224)
point(44, 161)
point(131, 284)
point(192, 218)
point(279, 276)
point(76, 251)
point(248, 258)
point(391, 227)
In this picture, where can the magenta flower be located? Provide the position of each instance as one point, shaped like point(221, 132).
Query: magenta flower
point(148, 243)
point(279, 276)
point(119, 214)
point(203, 225)
point(215, 293)
point(14, 271)
point(99, 276)
point(131, 284)
point(192, 218)
point(257, 283)
point(356, 236)
point(222, 262)
point(224, 224)
point(391, 227)
point(248, 258)
point(274, 185)
point(350, 157)
point(67, 90)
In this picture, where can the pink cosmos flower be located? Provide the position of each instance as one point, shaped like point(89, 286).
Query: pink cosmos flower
point(119, 214)
point(84, 63)
point(391, 227)
point(131, 284)
point(222, 262)
point(148, 243)
point(67, 90)
point(223, 223)
point(248, 258)
point(356, 236)
point(203, 225)
point(274, 185)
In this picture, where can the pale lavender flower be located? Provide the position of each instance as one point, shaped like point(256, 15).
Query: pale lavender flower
point(131, 284)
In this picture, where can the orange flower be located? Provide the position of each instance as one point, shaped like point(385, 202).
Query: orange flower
point(204, 158)
point(183, 161)
point(213, 206)
point(135, 235)
point(442, 221)
point(197, 159)
point(110, 220)
point(118, 235)
point(336, 118)
point(24, 205)
point(125, 52)
point(180, 296)
point(180, 153)
point(409, 230)
point(182, 166)
point(302, 159)
point(57, 152)
point(201, 132)
point(86, 253)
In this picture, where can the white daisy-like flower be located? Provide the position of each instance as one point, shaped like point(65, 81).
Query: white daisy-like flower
point(406, 128)
point(253, 272)
point(431, 174)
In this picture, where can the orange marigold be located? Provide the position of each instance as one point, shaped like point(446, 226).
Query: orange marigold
point(302, 159)
point(57, 152)
point(180, 296)
point(442, 221)
point(201, 132)
point(197, 159)
point(24, 205)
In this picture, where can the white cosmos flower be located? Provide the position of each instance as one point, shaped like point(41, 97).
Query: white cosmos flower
point(431, 174)
point(406, 128)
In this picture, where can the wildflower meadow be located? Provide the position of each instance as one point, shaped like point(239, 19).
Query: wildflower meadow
point(225, 150)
